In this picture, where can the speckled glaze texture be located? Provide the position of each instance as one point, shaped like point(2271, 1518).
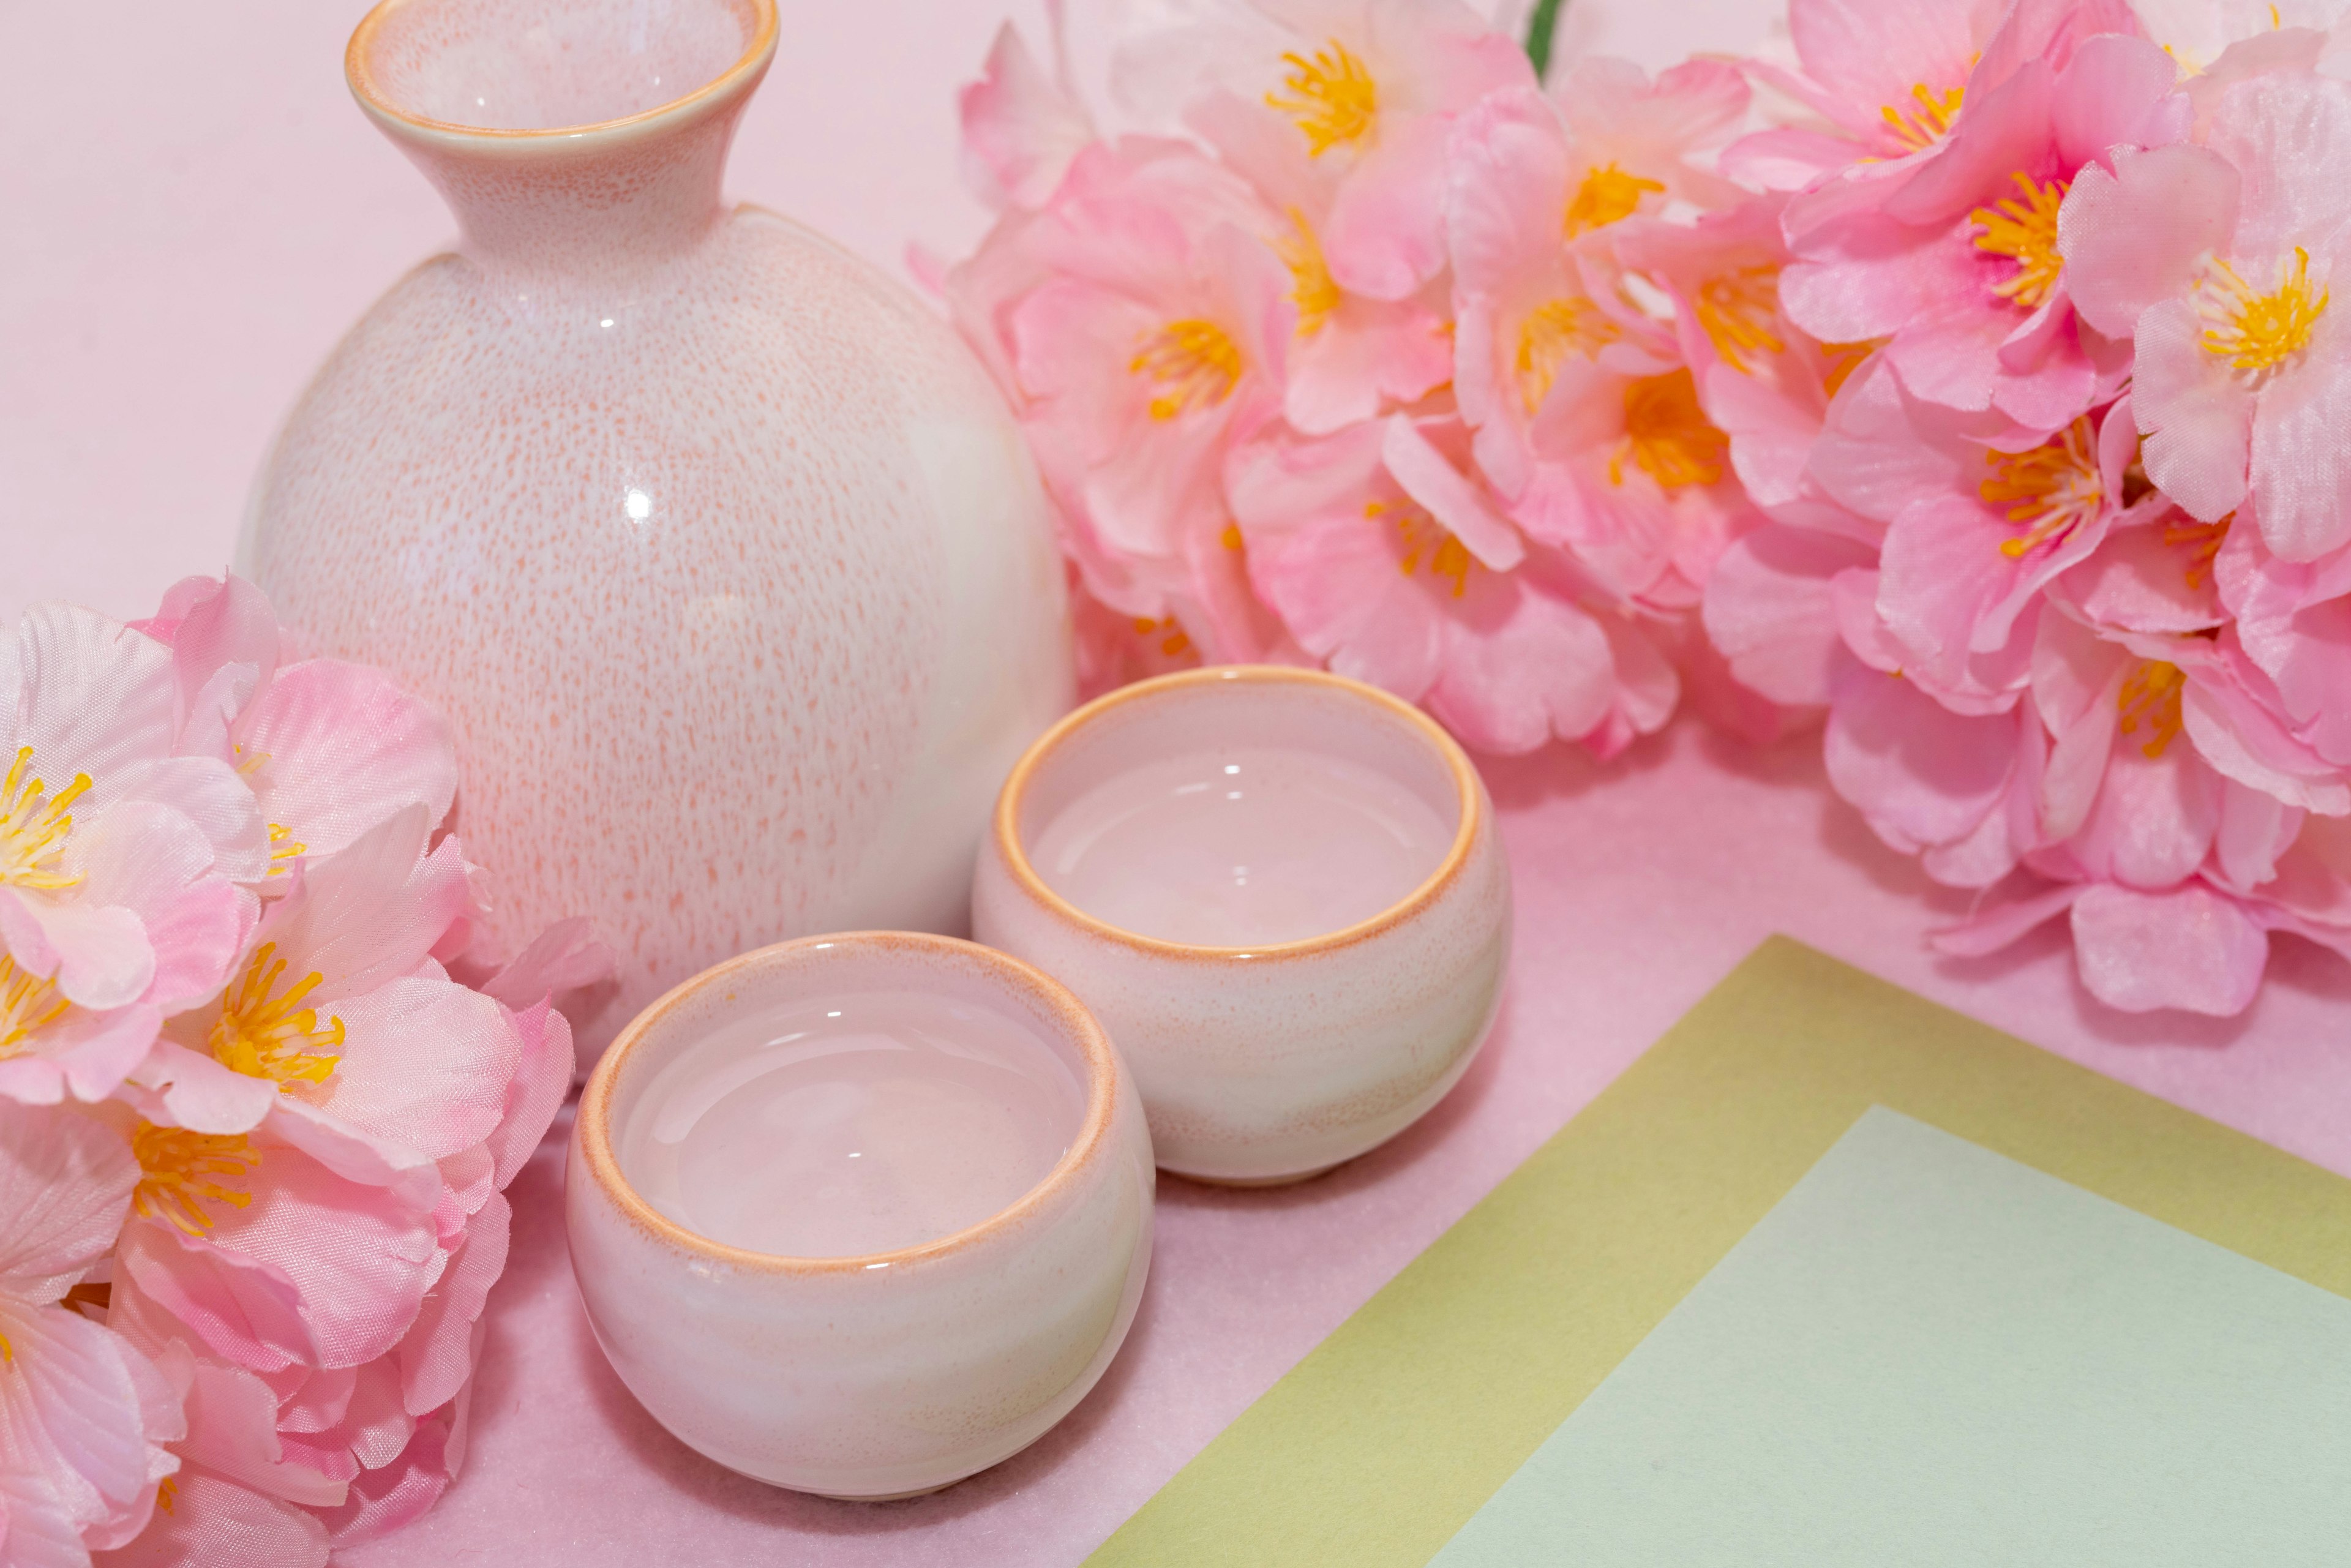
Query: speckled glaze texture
point(1272, 1064)
point(883, 1376)
point(718, 548)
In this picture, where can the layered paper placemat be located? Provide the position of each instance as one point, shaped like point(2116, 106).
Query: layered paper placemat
point(1830, 1274)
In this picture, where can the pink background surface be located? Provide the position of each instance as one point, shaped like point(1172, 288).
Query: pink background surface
point(195, 211)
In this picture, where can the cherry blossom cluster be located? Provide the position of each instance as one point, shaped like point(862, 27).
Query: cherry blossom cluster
point(1963, 374)
point(254, 1136)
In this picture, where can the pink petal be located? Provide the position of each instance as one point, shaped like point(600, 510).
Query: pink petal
point(1021, 130)
point(373, 912)
point(2197, 419)
point(435, 1358)
point(1996, 925)
point(391, 1495)
point(97, 698)
point(2190, 947)
point(86, 1054)
point(73, 1419)
point(97, 953)
point(536, 1091)
point(214, 1521)
point(423, 1066)
point(2299, 466)
point(2131, 239)
point(1920, 773)
point(233, 1432)
point(1769, 609)
point(347, 748)
point(1452, 499)
point(199, 1094)
point(65, 1185)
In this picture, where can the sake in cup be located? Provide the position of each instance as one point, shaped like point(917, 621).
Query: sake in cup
point(860, 1215)
point(1281, 894)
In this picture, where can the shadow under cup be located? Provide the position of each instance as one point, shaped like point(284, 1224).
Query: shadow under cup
point(948, 1141)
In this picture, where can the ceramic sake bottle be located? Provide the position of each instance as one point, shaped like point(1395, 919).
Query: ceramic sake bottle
point(718, 548)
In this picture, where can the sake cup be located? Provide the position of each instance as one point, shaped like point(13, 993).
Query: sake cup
point(867, 1085)
point(1281, 894)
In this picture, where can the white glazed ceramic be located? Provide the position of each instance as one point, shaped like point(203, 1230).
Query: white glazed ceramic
point(716, 544)
point(1267, 1064)
point(882, 1376)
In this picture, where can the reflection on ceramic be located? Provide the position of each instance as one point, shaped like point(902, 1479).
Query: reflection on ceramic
point(718, 547)
point(958, 1158)
point(1281, 894)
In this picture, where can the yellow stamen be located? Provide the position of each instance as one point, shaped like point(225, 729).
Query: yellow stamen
point(1331, 96)
point(1231, 537)
point(2026, 231)
point(1552, 331)
point(1607, 195)
point(2051, 490)
point(1926, 119)
point(167, 1493)
point(1737, 311)
point(284, 850)
point(27, 1004)
point(1174, 643)
point(2256, 331)
point(1843, 358)
point(180, 1172)
point(2207, 538)
point(34, 830)
point(1427, 543)
point(1196, 360)
point(274, 1038)
point(1310, 275)
point(1666, 434)
point(2151, 696)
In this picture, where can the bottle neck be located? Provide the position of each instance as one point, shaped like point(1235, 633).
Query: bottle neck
point(602, 206)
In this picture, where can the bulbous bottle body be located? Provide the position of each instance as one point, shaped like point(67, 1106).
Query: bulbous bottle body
point(718, 549)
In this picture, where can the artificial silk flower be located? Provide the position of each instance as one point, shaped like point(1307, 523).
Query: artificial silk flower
point(84, 1418)
point(1385, 559)
point(342, 1031)
point(1528, 302)
point(1158, 337)
point(2216, 260)
point(329, 749)
point(1352, 355)
point(1022, 127)
point(1951, 255)
point(1368, 87)
point(119, 860)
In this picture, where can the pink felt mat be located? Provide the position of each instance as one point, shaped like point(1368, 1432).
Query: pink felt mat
point(195, 211)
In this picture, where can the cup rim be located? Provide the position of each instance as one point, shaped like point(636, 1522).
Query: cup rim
point(749, 65)
point(592, 1124)
point(1006, 830)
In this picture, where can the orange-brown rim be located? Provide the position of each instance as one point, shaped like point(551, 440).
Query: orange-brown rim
point(594, 1120)
point(1009, 850)
point(355, 71)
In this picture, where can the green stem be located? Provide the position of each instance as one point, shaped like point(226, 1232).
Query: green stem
point(1539, 28)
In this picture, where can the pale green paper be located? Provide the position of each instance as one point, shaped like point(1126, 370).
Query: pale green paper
point(1931, 1356)
point(1379, 1445)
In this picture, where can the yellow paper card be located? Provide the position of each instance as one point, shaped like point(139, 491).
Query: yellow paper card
point(1387, 1440)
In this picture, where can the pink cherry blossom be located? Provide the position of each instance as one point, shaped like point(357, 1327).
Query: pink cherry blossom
point(1587, 424)
point(329, 749)
point(1352, 354)
point(83, 1416)
point(1021, 126)
point(1949, 252)
point(2216, 260)
point(343, 1032)
point(120, 862)
point(1370, 88)
point(1145, 328)
point(1385, 558)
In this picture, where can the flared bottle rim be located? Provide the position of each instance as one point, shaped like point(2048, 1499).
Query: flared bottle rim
point(380, 105)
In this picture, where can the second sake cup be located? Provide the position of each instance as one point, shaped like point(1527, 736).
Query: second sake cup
point(1281, 894)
